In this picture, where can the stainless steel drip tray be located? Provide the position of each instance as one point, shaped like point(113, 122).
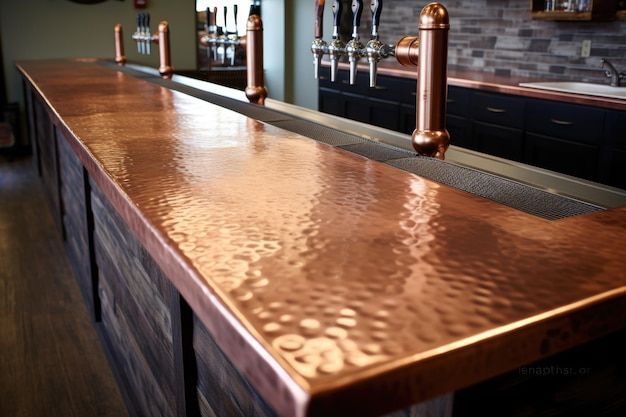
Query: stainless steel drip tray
point(501, 190)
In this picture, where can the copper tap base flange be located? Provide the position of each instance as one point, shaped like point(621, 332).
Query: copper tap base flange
point(433, 143)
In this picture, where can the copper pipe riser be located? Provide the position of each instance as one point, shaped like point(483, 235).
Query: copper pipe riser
point(429, 53)
point(120, 57)
point(255, 89)
point(165, 58)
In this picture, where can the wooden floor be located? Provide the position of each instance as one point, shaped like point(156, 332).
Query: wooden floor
point(51, 361)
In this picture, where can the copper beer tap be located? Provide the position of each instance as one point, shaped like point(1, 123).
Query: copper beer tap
point(255, 88)
point(120, 58)
point(428, 51)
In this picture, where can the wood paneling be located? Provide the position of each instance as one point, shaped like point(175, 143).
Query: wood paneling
point(30, 116)
point(46, 143)
point(222, 390)
point(75, 222)
point(135, 301)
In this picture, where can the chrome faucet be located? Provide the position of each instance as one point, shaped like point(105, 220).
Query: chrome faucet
point(612, 73)
point(375, 50)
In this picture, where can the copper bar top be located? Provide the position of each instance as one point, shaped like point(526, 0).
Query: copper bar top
point(337, 285)
point(480, 80)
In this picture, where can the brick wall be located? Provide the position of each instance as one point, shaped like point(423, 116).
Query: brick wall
point(498, 36)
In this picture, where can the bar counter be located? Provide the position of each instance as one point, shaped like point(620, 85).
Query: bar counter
point(336, 285)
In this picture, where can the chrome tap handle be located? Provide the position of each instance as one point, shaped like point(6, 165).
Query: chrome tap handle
point(225, 20)
point(319, 46)
point(375, 49)
point(376, 6)
point(354, 47)
point(357, 11)
point(337, 8)
point(319, 18)
point(207, 22)
point(148, 34)
point(138, 32)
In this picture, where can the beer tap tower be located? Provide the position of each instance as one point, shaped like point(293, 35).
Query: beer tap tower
point(144, 39)
point(217, 37)
point(428, 52)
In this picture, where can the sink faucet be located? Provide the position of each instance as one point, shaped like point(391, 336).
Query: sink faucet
point(612, 73)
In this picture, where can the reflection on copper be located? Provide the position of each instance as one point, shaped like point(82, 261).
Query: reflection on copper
point(431, 53)
point(255, 90)
point(120, 58)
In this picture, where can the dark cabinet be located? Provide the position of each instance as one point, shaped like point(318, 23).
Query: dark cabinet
point(577, 159)
point(331, 102)
point(498, 109)
point(460, 130)
point(499, 141)
point(583, 141)
point(566, 121)
point(617, 169)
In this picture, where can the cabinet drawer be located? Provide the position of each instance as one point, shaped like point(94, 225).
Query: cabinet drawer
point(565, 121)
point(331, 102)
point(616, 129)
point(389, 88)
point(617, 170)
point(577, 159)
point(498, 109)
point(499, 141)
point(457, 102)
point(460, 130)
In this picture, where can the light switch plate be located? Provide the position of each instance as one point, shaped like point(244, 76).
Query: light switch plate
point(585, 50)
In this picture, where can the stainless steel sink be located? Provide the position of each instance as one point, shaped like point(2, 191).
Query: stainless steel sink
point(600, 90)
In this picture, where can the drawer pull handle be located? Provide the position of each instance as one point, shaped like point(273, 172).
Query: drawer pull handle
point(450, 101)
point(323, 77)
point(413, 93)
point(379, 87)
point(561, 122)
point(495, 110)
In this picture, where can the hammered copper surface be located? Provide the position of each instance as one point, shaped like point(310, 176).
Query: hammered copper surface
point(344, 275)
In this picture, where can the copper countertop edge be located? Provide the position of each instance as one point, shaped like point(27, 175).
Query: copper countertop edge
point(463, 78)
point(482, 337)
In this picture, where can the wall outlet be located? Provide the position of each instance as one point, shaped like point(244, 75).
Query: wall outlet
point(585, 49)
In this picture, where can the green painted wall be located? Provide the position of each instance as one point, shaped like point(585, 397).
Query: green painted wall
point(33, 29)
point(288, 33)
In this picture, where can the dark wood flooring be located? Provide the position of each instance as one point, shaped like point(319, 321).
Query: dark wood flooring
point(51, 360)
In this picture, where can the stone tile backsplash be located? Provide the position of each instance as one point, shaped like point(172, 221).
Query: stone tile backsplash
point(499, 36)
